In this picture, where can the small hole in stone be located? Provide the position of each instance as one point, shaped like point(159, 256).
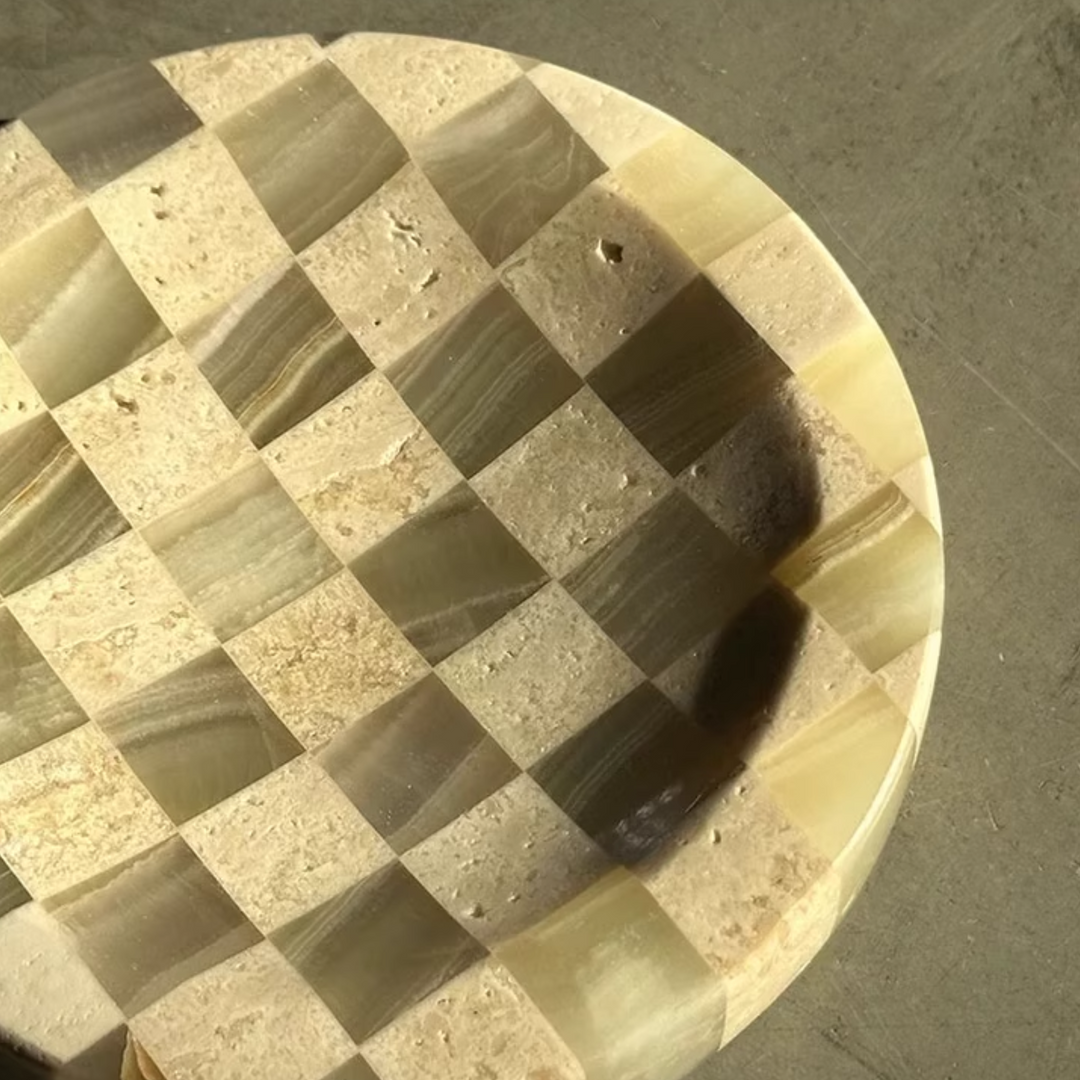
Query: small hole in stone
point(609, 251)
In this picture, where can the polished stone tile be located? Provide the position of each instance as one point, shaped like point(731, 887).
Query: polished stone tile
point(416, 763)
point(506, 165)
point(376, 949)
point(241, 550)
point(688, 376)
point(106, 1059)
point(53, 289)
point(207, 715)
point(105, 126)
point(286, 843)
point(12, 892)
point(149, 924)
point(665, 583)
point(576, 480)
point(35, 706)
point(483, 381)
point(507, 863)
point(326, 659)
point(449, 573)
point(155, 434)
point(540, 674)
point(354, 1069)
point(276, 353)
point(19, 400)
point(313, 150)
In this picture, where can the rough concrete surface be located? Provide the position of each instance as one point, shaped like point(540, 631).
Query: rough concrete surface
point(936, 149)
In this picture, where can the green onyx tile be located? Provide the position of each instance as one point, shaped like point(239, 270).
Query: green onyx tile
point(354, 1069)
point(52, 509)
point(484, 380)
point(12, 892)
point(416, 763)
point(276, 353)
point(104, 1060)
point(53, 291)
point(376, 949)
point(241, 550)
point(313, 150)
point(688, 376)
point(449, 573)
point(665, 583)
point(507, 165)
point(151, 923)
point(100, 129)
point(35, 706)
point(208, 716)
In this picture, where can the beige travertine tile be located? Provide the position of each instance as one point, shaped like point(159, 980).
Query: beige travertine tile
point(286, 843)
point(155, 433)
point(327, 659)
point(482, 1024)
point(73, 808)
point(574, 482)
point(221, 80)
point(251, 1015)
point(614, 124)
point(18, 399)
point(909, 680)
point(112, 622)
point(419, 83)
point(189, 228)
point(397, 268)
point(540, 674)
point(48, 997)
point(918, 482)
point(361, 466)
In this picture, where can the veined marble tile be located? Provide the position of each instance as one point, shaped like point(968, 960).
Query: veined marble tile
point(506, 165)
point(918, 482)
point(507, 863)
point(149, 924)
point(53, 288)
point(576, 480)
point(480, 1024)
point(13, 893)
point(106, 126)
point(484, 380)
point(19, 400)
point(416, 763)
point(155, 433)
point(240, 550)
point(376, 949)
point(207, 715)
point(313, 150)
point(276, 353)
point(35, 706)
point(54, 835)
point(540, 674)
point(361, 466)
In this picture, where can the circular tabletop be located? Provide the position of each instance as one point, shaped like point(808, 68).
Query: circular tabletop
point(470, 575)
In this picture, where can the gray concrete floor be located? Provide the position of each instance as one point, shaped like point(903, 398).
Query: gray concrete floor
point(935, 147)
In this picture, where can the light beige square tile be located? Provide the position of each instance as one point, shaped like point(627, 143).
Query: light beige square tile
point(71, 809)
point(155, 433)
point(188, 228)
point(482, 1024)
point(19, 400)
point(112, 622)
point(397, 268)
point(574, 482)
point(327, 659)
point(251, 1016)
point(909, 680)
point(286, 843)
point(361, 466)
point(540, 674)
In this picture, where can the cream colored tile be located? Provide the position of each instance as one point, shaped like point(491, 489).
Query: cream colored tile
point(540, 674)
point(221, 80)
point(482, 1024)
point(71, 809)
point(189, 228)
point(919, 484)
point(361, 466)
point(252, 1015)
point(909, 680)
point(397, 268)
point(327, 659)
point(19, 400)
point(112, 622)
point(286, 843)
point(574, 482)
point(155, 433)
